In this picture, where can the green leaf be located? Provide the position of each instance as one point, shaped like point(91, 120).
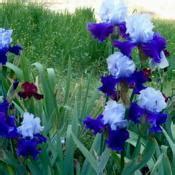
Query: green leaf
point(103, 161)
point(172, 146)
point(18, 72)
point(142, 160)
point(85, 152)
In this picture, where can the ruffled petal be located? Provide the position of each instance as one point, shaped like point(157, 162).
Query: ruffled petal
point(154, 47)
point(125, 47)
point(94, 124)
point(117, 138)
point(108, 85)
point(15, 49)
point(100, 31)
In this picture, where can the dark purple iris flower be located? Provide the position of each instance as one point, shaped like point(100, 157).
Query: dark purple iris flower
point(30, 90)
point(108, 85)
point(135, 113)
point(7, 123)
point(135, 81)
point(30, 147)
point(7, 126)
point(154, 47)
point(100, 31)
point(94, 124)
point(154, 119)
point(116, 139)
point(3, 56)
point(125, 47)
point(13, 49)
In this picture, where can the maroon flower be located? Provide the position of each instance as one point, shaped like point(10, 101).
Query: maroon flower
point(30, 90)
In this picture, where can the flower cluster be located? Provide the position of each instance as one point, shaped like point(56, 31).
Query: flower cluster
point(30, 136)
point(26, 137)
point(115, 19)
point(111, 120)
point(5, 45)
point(126, 84)
point(149, 105)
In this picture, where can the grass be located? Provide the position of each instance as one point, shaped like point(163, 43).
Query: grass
point(53, 38)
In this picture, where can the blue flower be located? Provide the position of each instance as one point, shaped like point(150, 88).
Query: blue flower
point(5, 45)
point(154, 47)
point(100, 31)
point(135, 113)
point(94, 124)
point(3, 56)
point(140, 28)
point(15, 49)
point(30, 147)
point(7, 126)
point(7, 123)
point(154, 119)
point(125, 47)
point(116, 139)
point(109, 86)
point(5, 38)
point(114, 115)
point(120, 66)
point(29, 136)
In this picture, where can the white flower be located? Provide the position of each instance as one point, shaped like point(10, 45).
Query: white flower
point(140, 27)
point(114, 114)
point(120, 65)
point(113, 11)
point(151, 99)
point(163, 62)
point(5, 37)
point(30, 125)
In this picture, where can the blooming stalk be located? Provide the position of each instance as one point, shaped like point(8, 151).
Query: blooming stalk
point(126, 83)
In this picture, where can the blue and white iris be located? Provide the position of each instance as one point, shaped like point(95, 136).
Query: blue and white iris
point(5, 38)
point(151, 99)
point(113, 11)
point(28, 143)
point(5, 45)
point(150, 104)
point(114, 114)
point(140, 28)
point(135, 31)
point(120, 65)
point(30, 126)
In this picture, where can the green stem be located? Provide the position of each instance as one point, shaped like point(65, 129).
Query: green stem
point(122, 161)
